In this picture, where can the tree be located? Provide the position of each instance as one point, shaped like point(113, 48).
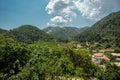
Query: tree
point(13, 57)
point(112, 72)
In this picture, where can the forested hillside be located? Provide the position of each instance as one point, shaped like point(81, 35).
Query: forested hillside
point(64, 34)
point(2, 31)
point(107, 30)
point(28, 34)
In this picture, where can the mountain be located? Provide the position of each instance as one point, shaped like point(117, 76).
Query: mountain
point(28, 34)
point(107, 30)
point(64, 33)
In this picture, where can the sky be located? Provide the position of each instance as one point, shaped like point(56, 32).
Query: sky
point(44, 13)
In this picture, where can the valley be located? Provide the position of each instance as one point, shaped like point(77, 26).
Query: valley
point(67, 53)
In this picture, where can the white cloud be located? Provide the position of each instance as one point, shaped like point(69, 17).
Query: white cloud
point(91, 9)
point(96, 9)
point(59, 20)
point(60, 7)
point(63, 8)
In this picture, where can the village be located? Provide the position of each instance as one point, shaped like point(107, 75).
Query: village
point(103, 55)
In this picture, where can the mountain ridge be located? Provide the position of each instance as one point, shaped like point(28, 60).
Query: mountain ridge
point(64, 33)
point(107, 30)
point(28, 34)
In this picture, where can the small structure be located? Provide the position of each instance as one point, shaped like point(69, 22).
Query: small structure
point(98, 58)
point(117, 55)
point(108, 49)
point(78, 46)
point(106, 58)
point(94, 51)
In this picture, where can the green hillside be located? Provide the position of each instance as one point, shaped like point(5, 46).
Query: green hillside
point(2, 31)
point(107, 30)
point(64, 34)
point(28, 34)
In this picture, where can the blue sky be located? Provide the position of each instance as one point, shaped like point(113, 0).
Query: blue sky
point(43, 13)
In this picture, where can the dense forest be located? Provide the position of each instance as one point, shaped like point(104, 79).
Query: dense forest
point(49, 60)
point(28, 34)
point(28, 53)
point(105, 31)
point(2, 31)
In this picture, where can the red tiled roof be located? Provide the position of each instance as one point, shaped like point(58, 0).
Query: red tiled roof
point(98, 54)
point(106, 58)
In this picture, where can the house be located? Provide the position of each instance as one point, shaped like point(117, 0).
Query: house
point(108, 49)
point(98, 58)
point(106, 59)
point(117, 56)
point(78, 46)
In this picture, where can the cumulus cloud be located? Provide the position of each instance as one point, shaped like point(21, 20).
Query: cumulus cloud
point(96, 9)
point(91, 9)
point(59, 20)
point(88, 8)
point(63, 9)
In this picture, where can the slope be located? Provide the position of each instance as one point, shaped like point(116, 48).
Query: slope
point(2, 31)
point(28, 34)
point(107, 30)
point(65, 33)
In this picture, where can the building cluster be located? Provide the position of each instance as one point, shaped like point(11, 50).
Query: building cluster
point(99, 58)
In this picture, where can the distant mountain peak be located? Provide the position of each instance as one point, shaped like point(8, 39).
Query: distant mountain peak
point(64, 33)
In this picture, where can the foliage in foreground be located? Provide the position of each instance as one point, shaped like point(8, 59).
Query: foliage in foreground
point(13, 57)
point(44, 60)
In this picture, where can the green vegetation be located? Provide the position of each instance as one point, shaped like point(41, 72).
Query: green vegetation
point(112, 72)
point(106, 31)
point(28, 53)
point(48, 60)
point(13, 56)
point(28, 34)
point(117, 50)
point(42, 60)
point(2, 31)
point(64, 34)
